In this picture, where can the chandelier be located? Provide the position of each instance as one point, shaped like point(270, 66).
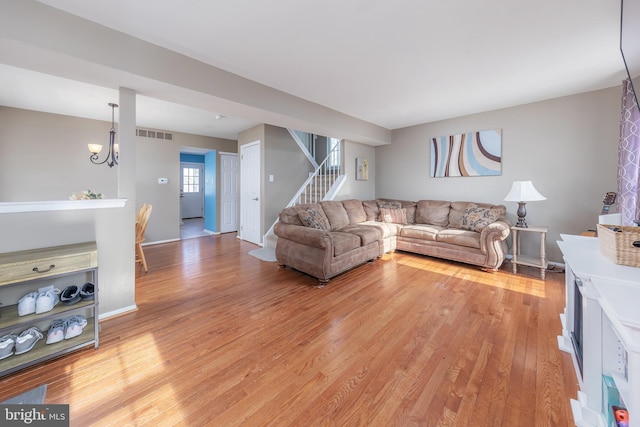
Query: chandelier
point(112, 155)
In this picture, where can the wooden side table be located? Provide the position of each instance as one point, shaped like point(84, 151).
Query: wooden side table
point(532, 261)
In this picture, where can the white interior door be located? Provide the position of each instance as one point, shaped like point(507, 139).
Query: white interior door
point(192, 190)
point(229, 192)
point(250, 193)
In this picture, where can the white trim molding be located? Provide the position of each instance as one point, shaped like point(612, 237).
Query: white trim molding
point(60, 205)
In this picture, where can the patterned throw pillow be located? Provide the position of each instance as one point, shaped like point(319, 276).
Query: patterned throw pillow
point(389, 204)
point(394, 215)
point(476, 218)
point(310, 217)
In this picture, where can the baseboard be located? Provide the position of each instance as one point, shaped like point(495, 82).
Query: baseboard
point(159, 242)
point(211, 233)
point(118, 312)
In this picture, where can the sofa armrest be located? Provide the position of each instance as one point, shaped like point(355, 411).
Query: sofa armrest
point(492, 243)
point(304, 235)
point(496, 231)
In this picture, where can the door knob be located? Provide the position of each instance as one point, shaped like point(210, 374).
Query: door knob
point(255, 200)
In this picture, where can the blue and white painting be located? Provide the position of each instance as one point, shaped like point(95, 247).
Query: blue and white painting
point(467, 154)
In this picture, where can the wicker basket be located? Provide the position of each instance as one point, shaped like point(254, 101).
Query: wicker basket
point(621, 247)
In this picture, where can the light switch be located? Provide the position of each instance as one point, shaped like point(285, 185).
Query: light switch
point(270, 178)
point(162, 180)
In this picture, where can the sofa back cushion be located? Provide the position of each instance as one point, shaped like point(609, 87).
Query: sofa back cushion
point(290, 216)
point(355, 211)
point(411, 211)
point(371, 210)
point(456, 213)
point(434, 212)
point(336, 213)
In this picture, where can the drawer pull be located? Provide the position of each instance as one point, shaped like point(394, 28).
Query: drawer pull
point(51, 267)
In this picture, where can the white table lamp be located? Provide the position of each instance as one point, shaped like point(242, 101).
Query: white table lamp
point(523, 192)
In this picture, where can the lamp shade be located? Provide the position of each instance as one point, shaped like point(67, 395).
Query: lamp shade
point(523, 191)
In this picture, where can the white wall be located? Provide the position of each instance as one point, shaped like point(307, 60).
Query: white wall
point(157, 158)
point(352, 189)
point(566, 146)
point(45, 156)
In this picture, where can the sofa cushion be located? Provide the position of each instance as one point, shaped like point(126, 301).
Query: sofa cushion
point(456, 213)
point(367, 233)
point(386, 228)
point(371, 209)
point(421, 231)
point(312, 215)
point(433, 212)
point(355, 211)
point(411, 211)
point(290, 216)
point(344, 242)
point(477, 217)
point(459, 237)
point(336, 213)
point(394, 215)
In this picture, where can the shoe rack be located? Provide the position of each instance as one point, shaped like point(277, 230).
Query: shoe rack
point(28, 271)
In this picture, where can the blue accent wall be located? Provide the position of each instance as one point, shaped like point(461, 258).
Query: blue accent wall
point(191, 158)
point(210, 201)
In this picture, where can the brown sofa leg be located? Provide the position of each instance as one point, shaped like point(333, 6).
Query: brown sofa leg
point(322, 283)
point(489, 270)
point(281, 265)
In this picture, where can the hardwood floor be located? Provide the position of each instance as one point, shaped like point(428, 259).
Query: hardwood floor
point(222, 339)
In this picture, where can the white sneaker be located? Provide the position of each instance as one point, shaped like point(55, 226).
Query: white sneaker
point(27, 304)
point(74, 326)
point(7, 345)
point(56, 331)
point(47, 300)
point(27, 339)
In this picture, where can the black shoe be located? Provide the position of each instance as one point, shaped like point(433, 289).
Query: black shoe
point(86, 293)
point(70, 295)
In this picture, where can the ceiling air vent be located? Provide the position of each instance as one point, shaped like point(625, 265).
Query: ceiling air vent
point(141, 132)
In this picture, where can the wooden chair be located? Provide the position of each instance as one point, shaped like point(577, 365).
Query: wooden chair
point(141, 226)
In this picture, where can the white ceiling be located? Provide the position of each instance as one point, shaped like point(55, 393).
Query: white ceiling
point(392, 63)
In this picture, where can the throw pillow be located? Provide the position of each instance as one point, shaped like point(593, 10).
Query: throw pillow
point(310, 217)
point(389, 204)
point(394, 215)
point(476, 218)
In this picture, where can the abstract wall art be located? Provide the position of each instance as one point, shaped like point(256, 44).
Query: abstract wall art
point(467, 154)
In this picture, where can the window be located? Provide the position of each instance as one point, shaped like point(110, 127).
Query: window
point(190, 180)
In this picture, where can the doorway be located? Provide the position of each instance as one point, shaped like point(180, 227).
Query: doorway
point(250, 192)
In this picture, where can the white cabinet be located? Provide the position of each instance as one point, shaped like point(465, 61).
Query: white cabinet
point(27, 271)
point(601, 328)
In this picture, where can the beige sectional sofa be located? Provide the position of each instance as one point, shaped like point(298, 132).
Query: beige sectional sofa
point(328, 238)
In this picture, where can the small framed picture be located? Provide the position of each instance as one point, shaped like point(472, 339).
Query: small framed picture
point(362, 169)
